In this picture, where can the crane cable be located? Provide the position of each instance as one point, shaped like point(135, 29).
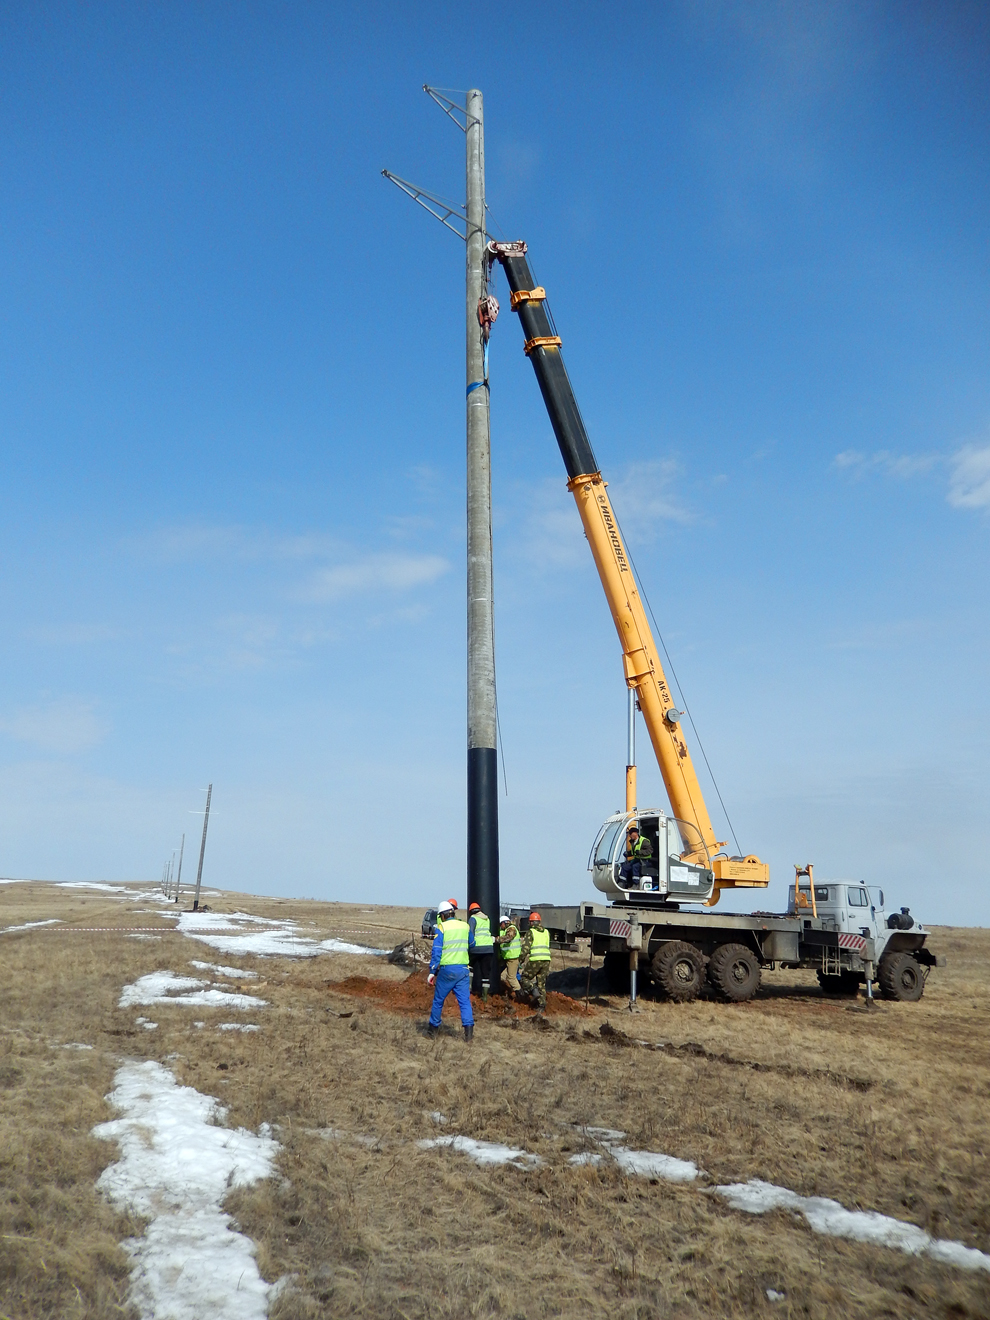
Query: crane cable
point(673, 672)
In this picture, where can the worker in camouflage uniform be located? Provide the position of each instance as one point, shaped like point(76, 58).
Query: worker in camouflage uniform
point(509, 944)
point(534, 962)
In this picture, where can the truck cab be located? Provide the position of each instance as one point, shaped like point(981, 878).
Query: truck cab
point(846, 906)
point(678, 872)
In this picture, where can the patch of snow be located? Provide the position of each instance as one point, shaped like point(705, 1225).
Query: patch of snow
point(279, 939)
point(591, 1157)
point(651, 1164)
point(640, 1163)
point(834, 1220)
point(238, 1026)
point(148, 1026)
point(774, 1296)
point(76, 1045)
point(199, 1024)
point(341, 946)
point(484, 1153)
point(29, 925)
point(440, 1119)
point(122, 890)
point(176, 1167)
point(235, 972)
point(168, 988)
point(142, 937)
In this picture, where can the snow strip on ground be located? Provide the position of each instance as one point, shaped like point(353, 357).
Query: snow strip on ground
point(225, 932)
point(176, 1167)
point(168, 988)
point(757, 1198)
point(28, 925)
point(222, 971)
point(121, 890)
point(483, 1152)
point(238, 1026)
point(834, 1220)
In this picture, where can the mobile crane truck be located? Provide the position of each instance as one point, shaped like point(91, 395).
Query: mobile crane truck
point(659, 919)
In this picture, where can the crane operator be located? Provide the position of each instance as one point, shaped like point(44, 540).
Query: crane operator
point(638, 851)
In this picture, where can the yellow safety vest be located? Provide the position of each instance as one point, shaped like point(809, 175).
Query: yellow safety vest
point(540, 948)
point(482, 933)
point(454, 952)
point(513, 948)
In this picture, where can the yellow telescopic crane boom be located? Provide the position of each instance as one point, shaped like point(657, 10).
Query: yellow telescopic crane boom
point(640, 658)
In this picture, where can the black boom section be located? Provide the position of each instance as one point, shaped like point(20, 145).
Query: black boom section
point(548, 363)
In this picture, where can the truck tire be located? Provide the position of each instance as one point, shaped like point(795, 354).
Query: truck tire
point(679, 970)
point(617, 972)
point(735, 972)
point(901, 977)
point(845, 983)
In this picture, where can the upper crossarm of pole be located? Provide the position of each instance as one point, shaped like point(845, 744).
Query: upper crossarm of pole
point(451, 211)
point(450, 108)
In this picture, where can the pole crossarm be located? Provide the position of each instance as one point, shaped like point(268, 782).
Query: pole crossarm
point(449, 107)
point(451, 210)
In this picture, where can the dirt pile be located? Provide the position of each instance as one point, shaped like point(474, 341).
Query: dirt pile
point(414, 996)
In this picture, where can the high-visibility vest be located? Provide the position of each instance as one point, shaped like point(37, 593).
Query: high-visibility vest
point(514, 947)
point(540, 948)
point(482, 933)
point(454, 952)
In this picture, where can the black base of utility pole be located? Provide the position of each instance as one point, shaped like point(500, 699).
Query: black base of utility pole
point(482, 831)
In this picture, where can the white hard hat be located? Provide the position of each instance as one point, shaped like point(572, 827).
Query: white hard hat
point(503, 919)
point(444, 907)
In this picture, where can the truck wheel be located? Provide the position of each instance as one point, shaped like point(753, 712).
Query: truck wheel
point(846, 983)
point(617, 972)
point(901, 977)
point(735, 972)
point(679, 970)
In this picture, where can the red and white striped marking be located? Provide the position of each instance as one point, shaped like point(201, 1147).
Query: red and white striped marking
point(620, 928)
point(852, 942)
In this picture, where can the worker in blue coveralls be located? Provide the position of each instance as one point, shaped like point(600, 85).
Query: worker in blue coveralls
point(449, 968)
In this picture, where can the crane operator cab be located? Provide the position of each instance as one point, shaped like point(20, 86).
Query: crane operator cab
point(677, 869)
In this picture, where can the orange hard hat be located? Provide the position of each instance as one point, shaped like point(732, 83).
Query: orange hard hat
point(535, 916)
point(474, 907)
point(453, 903)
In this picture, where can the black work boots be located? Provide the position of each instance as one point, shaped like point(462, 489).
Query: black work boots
point(469, 1032)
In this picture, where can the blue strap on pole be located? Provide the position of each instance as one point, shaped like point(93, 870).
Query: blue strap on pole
point(477, 385)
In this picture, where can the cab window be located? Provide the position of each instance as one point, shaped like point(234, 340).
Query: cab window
point(821, 893)
point(858, 897)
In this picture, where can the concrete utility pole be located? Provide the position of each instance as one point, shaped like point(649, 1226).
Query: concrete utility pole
point(468, 223)
point(482, 757)
point(202, 849)
point(178, 881)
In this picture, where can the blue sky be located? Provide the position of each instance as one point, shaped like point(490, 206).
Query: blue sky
point(231, 410)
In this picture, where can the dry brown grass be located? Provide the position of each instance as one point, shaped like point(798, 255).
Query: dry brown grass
point(885, 1110)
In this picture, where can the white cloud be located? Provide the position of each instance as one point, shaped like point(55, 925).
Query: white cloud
point(643, 499)
point(883, 461)
point(373, 574)
point(243, 544)
point(969, 484)
point(63, 726)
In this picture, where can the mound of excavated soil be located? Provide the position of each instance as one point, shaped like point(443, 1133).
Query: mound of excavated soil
point(414, 996)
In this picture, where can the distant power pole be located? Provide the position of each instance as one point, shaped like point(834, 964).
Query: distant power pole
point(202, 849)
point(468, 223)
point(178, 878)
